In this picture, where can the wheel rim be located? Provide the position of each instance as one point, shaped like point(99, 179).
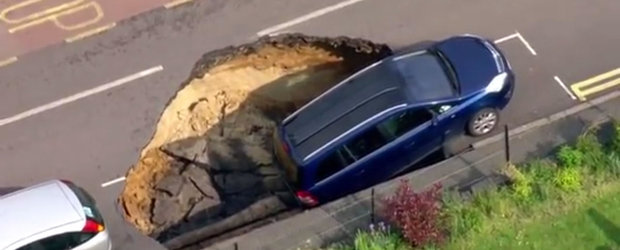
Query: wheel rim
point(485, 122)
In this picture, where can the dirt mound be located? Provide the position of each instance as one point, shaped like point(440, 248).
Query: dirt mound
point(210, 156)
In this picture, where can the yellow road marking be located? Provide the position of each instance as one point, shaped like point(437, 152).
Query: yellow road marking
point(89, 33)
point(578, 88)
point(55, 18)
point(176, 3)
point(8, 61)
point(36, 15)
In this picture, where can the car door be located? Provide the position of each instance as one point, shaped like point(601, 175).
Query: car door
point(359, 162)
point(449, 119)
point(414, 134)
point(330, 178)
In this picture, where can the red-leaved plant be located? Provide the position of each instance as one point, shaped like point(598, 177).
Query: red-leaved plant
point(416, 214)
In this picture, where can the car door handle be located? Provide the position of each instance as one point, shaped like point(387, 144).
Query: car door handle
point(452, 116)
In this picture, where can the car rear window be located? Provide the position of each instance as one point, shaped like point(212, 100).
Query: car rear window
point(88, 203)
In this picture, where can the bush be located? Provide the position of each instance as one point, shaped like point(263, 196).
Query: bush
point(542, 173)
point(417, 215)
point(521, 184)
point(570, 157)
point(568, 179)
point(593, 152)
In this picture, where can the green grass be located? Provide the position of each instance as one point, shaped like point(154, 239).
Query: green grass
point(589, 220)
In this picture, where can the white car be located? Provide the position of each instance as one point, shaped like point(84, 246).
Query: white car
point(56, 215)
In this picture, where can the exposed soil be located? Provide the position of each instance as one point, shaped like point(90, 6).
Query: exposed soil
point(210, 156)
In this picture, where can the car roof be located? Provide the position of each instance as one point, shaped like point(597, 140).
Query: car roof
point(38, 211)
point(363, 95)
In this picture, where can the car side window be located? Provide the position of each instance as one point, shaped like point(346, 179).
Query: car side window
point(63, 241)
point(405, 121)
point(333, 163)
point(366, 142)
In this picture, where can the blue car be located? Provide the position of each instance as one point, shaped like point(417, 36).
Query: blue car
point(386, 117)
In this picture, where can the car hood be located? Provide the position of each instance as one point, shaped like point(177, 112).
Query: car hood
point(473, 62)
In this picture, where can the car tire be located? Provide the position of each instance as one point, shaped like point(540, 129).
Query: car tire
point(483, 122)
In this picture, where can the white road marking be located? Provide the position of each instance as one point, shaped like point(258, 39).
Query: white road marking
point(517, 35)
point(527, 45)
point(506, 38)
point(112, 182)
point(307, 17)
point(79, 95)
point(557, 79)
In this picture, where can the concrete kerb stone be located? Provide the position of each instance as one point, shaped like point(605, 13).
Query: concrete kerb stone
point(549, 119)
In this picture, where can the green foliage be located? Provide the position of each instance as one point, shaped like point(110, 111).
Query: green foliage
point(568, 179)
point(380, 238)
point(570, 157)
point(593, 152)
point(460, 216)
point(615, 142)
point(613, 159)
point(542, 174)
point(521, 184)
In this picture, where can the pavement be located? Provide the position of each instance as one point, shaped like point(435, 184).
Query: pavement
point(80, 103)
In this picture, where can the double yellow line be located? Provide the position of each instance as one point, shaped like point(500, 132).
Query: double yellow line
point(607, 80)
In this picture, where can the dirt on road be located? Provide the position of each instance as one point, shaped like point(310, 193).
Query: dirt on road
point(209, 162)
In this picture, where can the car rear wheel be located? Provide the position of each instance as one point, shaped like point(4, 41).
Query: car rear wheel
point(483, 122)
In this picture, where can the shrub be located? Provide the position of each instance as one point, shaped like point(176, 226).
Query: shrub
point(568, 179)
point(570, 157)
point(417, 215)
point(521, 184)
point(593, 153)
point(542, 174)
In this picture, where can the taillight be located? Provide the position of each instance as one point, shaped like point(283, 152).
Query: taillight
point(307, 198)
point(92, 227)
point(285, 147)
point(66, 182)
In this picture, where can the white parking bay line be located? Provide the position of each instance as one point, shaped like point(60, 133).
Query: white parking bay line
point(79, 95)
point(557, 79)
point(307, 17)
point(527, 45)
point(112, 182)
point(520, 37)
point(506, 38)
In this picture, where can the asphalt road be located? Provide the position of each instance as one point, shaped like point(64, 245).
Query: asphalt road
point(95, 139)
